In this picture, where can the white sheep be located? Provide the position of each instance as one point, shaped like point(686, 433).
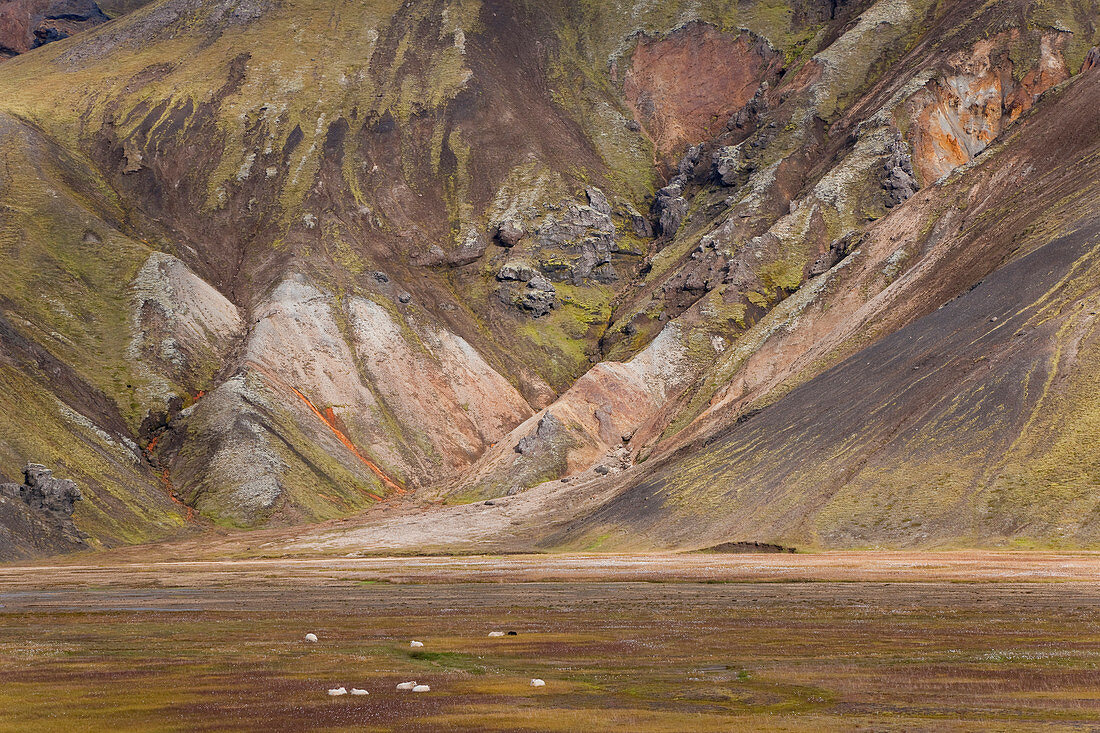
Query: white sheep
point(311, 638)
point(358, 691)
point(495, 634)
point(538, 683)
point(416, 644)
point(336, 692)
point(422, 688)
point(406, 685)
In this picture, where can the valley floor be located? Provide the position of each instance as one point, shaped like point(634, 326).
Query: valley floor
point(952, 640)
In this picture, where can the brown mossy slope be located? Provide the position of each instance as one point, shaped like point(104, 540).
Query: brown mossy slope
point(249, 155)
point(340, 194)
point(757, 223)
point(69, 397)
point(974, 424)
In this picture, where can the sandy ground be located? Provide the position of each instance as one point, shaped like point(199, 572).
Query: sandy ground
point(910, 567)
point(399, 525)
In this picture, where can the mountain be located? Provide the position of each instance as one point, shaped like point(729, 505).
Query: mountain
point(818, 273)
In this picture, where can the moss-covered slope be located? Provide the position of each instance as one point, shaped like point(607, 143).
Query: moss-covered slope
point(273, 262)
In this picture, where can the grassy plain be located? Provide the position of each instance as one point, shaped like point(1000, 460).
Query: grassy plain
point(877, 641)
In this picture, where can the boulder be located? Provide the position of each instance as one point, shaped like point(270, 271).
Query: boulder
point(540, 282)
point(473, 246)
point(641, 226)
point(598, 201)
point(537, 302)
point(516, 271)
point(509, 233)
point(547, 429)
point(837, 251)
point(690, 160)
point(730, 166)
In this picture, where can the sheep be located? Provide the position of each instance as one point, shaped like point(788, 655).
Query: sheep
point(358, 691)
point(495, 634)
point(416, 644)
point(538, 683)
point(336, 692)
point(311, 638)
point(422, 688)
point(406, 685)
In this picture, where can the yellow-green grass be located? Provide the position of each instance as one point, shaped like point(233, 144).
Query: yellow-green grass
point(228, 652)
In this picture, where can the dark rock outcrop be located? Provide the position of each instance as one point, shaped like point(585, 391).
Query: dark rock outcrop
point(1092, 59)
point(749, 117)
point(598, 201)
point(670, 207)
point(837, 251)
point(704, 270)
point(44, 493)
point(690, 160)
point(671, 204)
point(36, 517)
point(547, 429)
point(585, 235)
point(641, 225)
point(537, 298)
point(899, 182)
point(509, 233)
point(730, 168)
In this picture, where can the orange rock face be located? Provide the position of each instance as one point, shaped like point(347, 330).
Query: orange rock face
point(960, 114)
point(685, 87)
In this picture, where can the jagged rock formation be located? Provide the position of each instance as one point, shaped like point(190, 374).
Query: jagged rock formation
point(36, 517)
point(460, 249)
point(899, 181)
point(1092, 59)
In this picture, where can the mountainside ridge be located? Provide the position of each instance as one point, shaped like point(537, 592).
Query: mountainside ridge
point(457, 249)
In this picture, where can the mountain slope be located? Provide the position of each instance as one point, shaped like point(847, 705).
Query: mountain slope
point(302, 258)
point(972, 424)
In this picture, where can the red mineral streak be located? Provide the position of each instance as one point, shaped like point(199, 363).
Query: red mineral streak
point(329, 419)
